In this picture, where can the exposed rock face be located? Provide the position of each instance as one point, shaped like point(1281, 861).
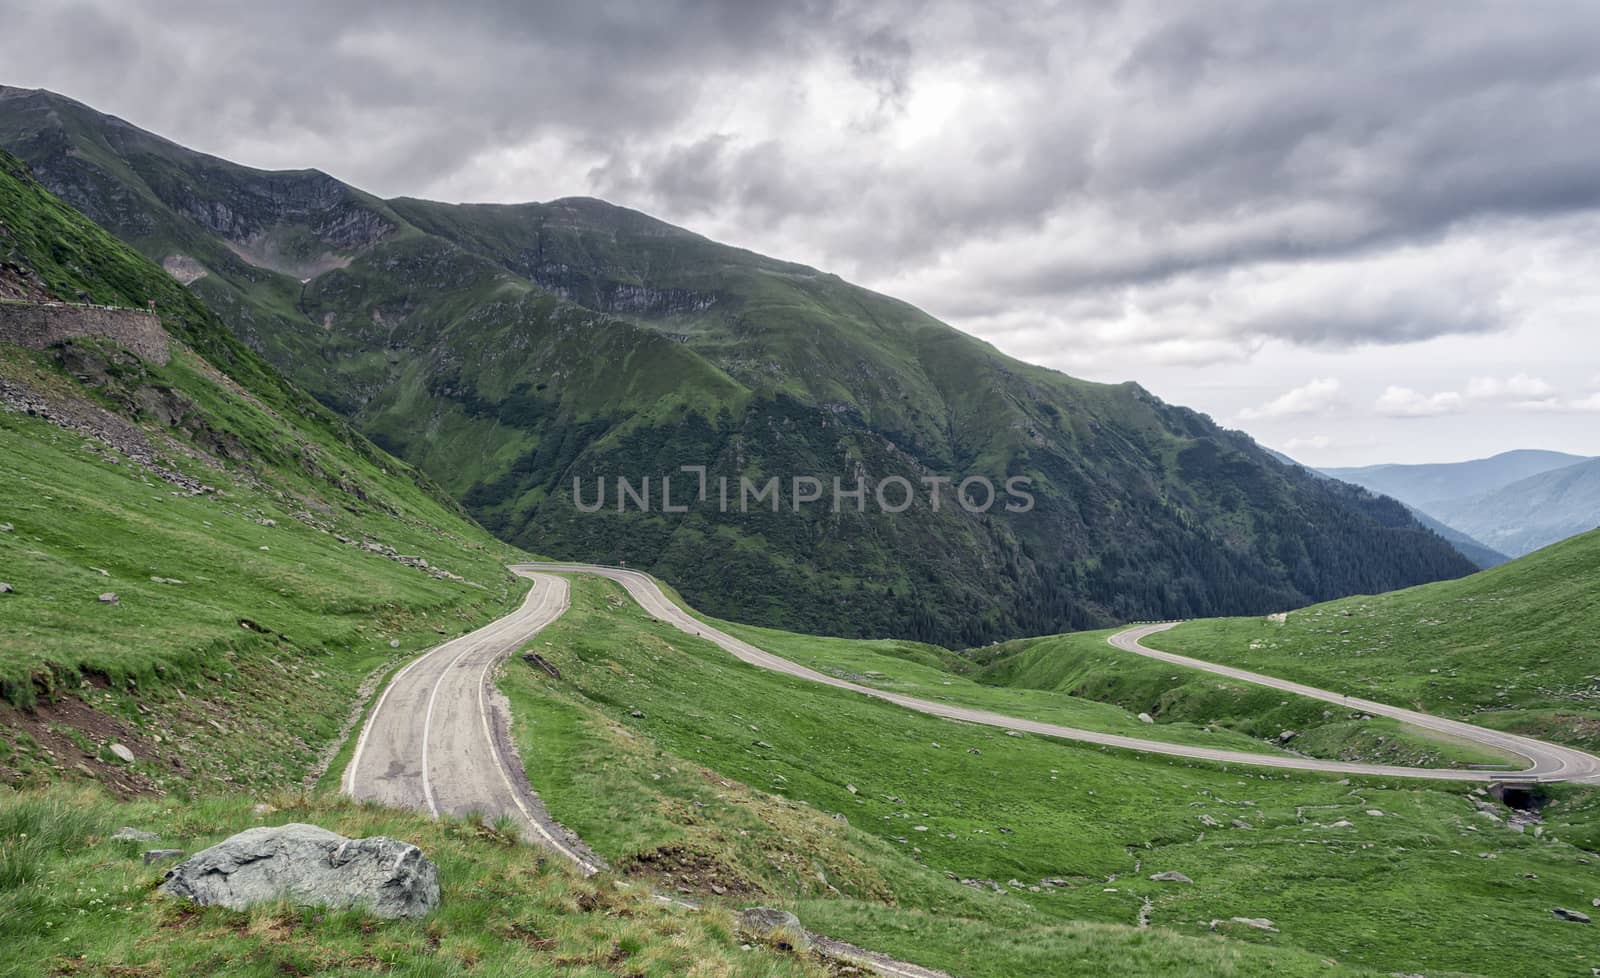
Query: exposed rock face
point(310, 866)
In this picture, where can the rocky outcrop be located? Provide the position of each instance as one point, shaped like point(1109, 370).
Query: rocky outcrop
point(40, 325)
point(309, 866)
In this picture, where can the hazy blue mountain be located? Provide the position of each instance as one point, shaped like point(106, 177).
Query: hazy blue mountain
point(1422, 485)
point(1530, 513)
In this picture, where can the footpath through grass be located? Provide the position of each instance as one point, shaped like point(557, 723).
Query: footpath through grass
point(733, 777)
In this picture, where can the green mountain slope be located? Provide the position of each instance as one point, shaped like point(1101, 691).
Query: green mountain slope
point(1533, 512)
point(1481, 556)
point(1513, 647)
point(508, 351)
point(264, 557)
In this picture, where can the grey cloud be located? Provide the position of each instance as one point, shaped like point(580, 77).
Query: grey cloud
point(1106, 155)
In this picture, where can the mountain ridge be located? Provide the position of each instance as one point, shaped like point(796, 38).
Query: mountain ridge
point(508, 350)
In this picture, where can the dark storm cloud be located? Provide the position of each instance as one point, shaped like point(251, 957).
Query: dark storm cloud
point(992, 157)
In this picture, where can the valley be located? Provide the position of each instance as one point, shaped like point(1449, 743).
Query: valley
point(286, 537)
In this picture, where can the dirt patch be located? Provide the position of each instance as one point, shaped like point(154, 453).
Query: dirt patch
point(685, 871)
point(74, 738)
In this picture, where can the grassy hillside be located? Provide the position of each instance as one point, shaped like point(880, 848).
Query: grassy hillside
point(72, 901)
point(265, 559)
point(1513, 647)
point(508, 350)
point(682, 766)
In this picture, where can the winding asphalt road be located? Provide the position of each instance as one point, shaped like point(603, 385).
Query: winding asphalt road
point(1546, 762)
point(437, 740)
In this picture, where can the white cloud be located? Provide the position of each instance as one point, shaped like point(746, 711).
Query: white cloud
point(1317, 397)
point(1299, 443)
point(1521, 387)
point(1587, 404)
point(1403, 402)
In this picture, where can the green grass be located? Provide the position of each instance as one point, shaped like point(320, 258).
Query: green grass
point(74, 902)
point(1409, 890)
point(1513, 647)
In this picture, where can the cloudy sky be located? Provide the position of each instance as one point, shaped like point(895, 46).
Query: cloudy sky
point(1360, 231)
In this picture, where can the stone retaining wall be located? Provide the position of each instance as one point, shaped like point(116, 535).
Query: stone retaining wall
point(39, 325)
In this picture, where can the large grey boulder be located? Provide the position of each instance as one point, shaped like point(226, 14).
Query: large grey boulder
point(309, 866)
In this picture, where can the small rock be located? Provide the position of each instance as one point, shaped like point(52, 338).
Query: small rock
point(122, 753)
point(6, 588)
point(261, 809)
point(762, 744)
point(1375, 813)
point(130, 834)
point(1285, 736)
point(1209, 822)
point(6, 528)
point(636, 714)
point(394, 643)
point(309, 866)
point(153, 856)
point(110, 597)
point(1013, 733)
point(850, 788)
point(777, 926)
point(1259, 923)
point(1575, 916)
point(1170, 877)
point(1240, 823)
point(1146, 718)
point(1343, 823)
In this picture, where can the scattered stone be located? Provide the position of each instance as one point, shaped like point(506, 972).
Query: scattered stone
point(1240, 823)
point(1574, 916)
point(6, 528)
point(153, 856)
point(110, 597)
point(762, 744)
point(1013, 733)
point(6, 588)
point(394, 643)
point(974, 750)
point(1146, 718)
point(776, 926)
point(850, 788)
point(1209, 822)
point(1170, 877)
point(1287, 735)
point(1259, 923)
point(261, 809)
point(311, 867)
point(122, 753)
point(636, 714)
point(1375, 813)
point(165, 580)
point(130, 834)
point(1343, 823)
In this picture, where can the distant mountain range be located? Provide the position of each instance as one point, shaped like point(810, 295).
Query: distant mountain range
point(1512, 503)
point(1423, 485)
point(509, 350)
